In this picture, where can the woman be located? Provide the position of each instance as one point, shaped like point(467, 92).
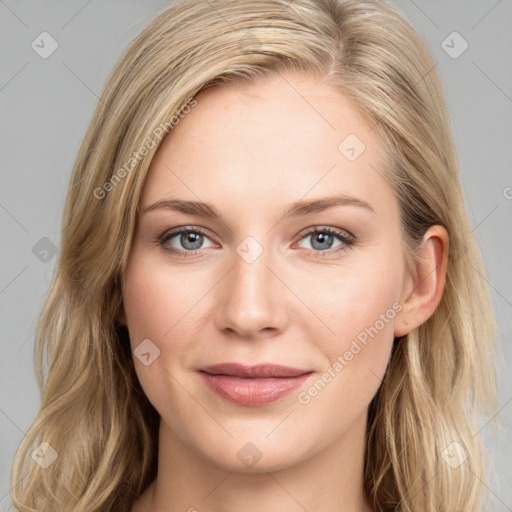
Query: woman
point(268, 294)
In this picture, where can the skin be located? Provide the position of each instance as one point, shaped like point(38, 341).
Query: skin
point(251, 152)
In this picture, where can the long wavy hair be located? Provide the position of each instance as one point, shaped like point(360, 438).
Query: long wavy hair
point(99, 426)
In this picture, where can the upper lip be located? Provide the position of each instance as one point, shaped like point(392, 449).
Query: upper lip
point(255, 371)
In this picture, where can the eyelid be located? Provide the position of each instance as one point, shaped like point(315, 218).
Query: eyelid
point(332, 229)
point(171, 233)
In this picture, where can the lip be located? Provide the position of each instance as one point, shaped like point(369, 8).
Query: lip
point(253, 386)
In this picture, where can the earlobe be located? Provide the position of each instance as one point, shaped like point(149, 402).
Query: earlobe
point(424, 289)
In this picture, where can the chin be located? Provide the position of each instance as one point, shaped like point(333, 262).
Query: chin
point(258, 456)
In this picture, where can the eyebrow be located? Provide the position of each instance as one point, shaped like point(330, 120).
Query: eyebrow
point(298, 209)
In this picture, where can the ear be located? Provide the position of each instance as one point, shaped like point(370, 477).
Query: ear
point(423, 288)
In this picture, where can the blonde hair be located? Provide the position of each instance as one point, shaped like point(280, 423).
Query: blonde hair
point(441, 377)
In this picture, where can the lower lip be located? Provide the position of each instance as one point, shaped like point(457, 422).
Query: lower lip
point(253, 392)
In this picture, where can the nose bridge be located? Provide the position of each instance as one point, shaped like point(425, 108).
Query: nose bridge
point(251, 299)
point(251, 273)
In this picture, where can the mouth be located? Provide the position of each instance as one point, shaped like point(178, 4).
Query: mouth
point(253, 386)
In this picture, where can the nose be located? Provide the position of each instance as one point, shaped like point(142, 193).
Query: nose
point(251, 299)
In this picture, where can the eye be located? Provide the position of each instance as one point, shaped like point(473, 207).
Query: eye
point(190, 239)
point(323, 238)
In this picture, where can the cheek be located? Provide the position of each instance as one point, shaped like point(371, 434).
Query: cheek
point(164, 304)
point(355, 299)
point(159, 299)
point(359, 307)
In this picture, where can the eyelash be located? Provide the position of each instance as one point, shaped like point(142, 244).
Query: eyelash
point(346, 239)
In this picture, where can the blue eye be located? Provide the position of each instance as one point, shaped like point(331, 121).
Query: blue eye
point(192, 238)
point(323, 238)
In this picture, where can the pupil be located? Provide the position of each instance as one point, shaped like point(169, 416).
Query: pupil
point(322, 237)
point(192, 238)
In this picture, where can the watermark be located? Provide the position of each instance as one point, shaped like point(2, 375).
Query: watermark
point(146, 352)
point(454, 45)
point(249, 249)
point(158, 133)
point(44, 249)
point(249, 454)
point(44, 455)
point(454, 455)
point(507, 192)
point(304, 397)
point(351, 147)
point(44, 45)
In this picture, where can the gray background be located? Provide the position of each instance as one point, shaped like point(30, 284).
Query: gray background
point(46, 105)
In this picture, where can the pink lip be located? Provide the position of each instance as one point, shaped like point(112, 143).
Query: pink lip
point(253, 385)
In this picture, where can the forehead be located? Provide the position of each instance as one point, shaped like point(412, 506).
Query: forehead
point(277, 140)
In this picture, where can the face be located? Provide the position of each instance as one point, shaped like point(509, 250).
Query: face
point(316, 288)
